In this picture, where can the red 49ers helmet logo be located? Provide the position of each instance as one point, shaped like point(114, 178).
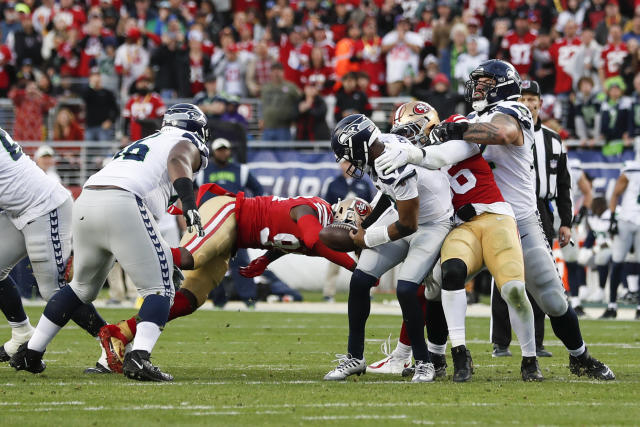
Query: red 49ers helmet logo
point(362, 208)
point(421, 109)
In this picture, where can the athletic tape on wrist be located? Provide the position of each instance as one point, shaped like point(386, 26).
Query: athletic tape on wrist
point(376, 236)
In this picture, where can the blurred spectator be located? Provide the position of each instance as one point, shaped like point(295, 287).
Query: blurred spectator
point(279, 106)
point(611, 17)
point(339, 17)
point(562, 52)
point(345, 59)
point(7, 71)
point(614, 117)
point(497, 24)
point(143, 14)
point(594, 14)
point(73, 13)
point(231, 113)
point(131, 60)
point(473, 25)
point(586, 59)
point(231, 72)
point(92, 44)
point(10, 23)
point(258, 69)
point(613, 54)
point(633, 31)
point(467, 62)
point(312, 110)
point(143, 113)
point(158, 24)
point(318, 73)
point(105, 63)
point(442, 25)
point(449, 56)
point(540, 12)
point(66, 127)
point(402, 48)
point(517, 45)
point(631, 64)
point(54, 38)
point(25, 42)
point(294, 55)
point(208, 100)
point(424, 27)
point(323, 42)
point(199, 62)
point(575, 11)
point(634, 120)
point(370, 53)
point(586, 112)
point(45, 159)
point(350, 99)
point(101, 110)
point(30, 105)
point(440, 96)
point(171, 63)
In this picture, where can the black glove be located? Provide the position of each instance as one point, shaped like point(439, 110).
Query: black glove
point(582, 213)
point(184, 188)
point(447, 131)
point(613, 226)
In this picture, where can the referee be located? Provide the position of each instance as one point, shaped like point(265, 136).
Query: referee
point(553, 183)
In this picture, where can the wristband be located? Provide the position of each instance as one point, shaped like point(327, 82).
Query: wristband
point(377, 236)
point(184, 188)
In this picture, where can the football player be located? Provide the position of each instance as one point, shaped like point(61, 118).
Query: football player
point(486, 235)
point(410, 236)
point(114, 219)
point(280, 225)
point(504, 129)
point(35, 221)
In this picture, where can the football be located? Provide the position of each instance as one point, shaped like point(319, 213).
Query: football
point(336, 236)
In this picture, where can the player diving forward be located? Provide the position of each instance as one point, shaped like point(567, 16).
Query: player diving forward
point(486, 235)
point(496, 125)
point(35, 220)
point(411, 236)
point(114, 219)
point(280, 225)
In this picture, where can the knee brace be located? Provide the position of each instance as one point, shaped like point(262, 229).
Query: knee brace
point(454, 274)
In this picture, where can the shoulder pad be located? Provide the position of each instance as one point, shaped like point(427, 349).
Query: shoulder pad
point(201, 146)
point(398, 176)
point(516, 110)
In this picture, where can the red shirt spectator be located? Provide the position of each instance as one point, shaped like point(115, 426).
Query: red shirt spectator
point(318, 74)
point(30, 106)
point(294, 56)
point(143, 105)
point(517, 45)
point(66, 127)
point(562, 52)
point(613, 54)
point(6, 71)
point(369, 49)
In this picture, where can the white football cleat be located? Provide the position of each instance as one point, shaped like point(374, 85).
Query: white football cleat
point(347, 366)
point(424, 373)
point(19, 336)
point(392, 364)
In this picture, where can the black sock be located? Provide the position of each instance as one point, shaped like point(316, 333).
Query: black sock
point(603, 274)
point(567, 329)
point(575, 278)
point(88, 319)
point(616, 276)
point(413, 318)
point(62, 306)
point(10, 302)
point(155, 309)
point(359, 306)
point(436, 322)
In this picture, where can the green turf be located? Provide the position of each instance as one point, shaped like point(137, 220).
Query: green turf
point(257, 368)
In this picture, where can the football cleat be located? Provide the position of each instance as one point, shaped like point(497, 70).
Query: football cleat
point(587, 365)
point(27, 360)
point(392, 363)
point(462, 364)
point(102, 367)
point(439, 364)
point(500, 351)
point(424, 372)
point(609, 313)
point(408, 372)
point(19, 336)
point(530, 370)
point(137, 366)
point(637, 314)
point(543, 352)
point(579, 311)
point(113, 341)
point(347, 366)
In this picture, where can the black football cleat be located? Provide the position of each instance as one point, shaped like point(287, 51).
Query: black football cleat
point(530, 370)
point(408, 372)
point(587, 365)
point(138, 367)
point(462, 364)
point(98, 369)
point(4, 356)
point(501, 351)
point(27, 360)
point(440, 364)
point(609, 313)
point(637, 314)
point(543, 352)
point(579, 311)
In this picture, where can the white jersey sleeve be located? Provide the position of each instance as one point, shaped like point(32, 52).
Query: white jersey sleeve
point(26, 192)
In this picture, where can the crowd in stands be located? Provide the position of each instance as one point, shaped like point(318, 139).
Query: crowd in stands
point(292, 54)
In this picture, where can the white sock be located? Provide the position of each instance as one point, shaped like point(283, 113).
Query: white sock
point(632, 283)
point(147, 333)
point(403, 351)
point(521, 315)
point(578, 351)
point(18, 325)
point(44, 333)
point(613, 305)
point(454, 304)
point(575, 301)
point(436, 348)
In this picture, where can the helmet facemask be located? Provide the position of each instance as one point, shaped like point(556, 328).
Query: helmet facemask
point(479, 100)
point(414, 121)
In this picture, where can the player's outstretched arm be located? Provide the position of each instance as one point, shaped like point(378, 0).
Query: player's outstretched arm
point(184, 160)
point(501, 130)
point(259, 265)
point(406, 225)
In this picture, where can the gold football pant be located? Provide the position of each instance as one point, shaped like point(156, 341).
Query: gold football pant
point(488, 239)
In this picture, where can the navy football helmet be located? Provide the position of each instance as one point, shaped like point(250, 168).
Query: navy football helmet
point(188, 117)
point(506, 84)
point(350, 141)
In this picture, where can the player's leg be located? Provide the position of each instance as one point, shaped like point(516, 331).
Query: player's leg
point(576, 273)
point(12, 250)
point(620, 247)
point(461, 255)
point(545, 285)
point(500, 326)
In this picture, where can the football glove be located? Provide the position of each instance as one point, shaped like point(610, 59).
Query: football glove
point(192, 217)
point(613, 225)
point(255, 267)
point(582, 213)
point(396, 156)
point(447, 131)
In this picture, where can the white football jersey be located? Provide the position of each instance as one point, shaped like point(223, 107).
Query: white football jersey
point(409, 182)
point(575, 170)
point(26, 192)
point(630, 206)
point(512, 165)
point(141, 167)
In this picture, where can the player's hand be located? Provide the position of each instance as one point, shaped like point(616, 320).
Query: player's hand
point(391, 159)
point(564, 235)
point(582, 213)
point(447, 131)
point(358, 237)
point(613, 226)
point(255, 267)
point(192, 217)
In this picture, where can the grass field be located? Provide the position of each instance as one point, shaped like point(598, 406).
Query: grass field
point(257, 368)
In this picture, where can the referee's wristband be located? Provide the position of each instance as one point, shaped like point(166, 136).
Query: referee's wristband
point(376, 236)
point(184, 188)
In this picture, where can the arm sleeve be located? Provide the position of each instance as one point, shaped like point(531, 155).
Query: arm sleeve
point(383, 204)
point(310, 228)
point(449, 153)
point(563, 201)
point(254, 185)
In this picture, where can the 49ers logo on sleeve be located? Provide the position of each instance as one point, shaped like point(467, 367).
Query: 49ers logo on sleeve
point(421, 109)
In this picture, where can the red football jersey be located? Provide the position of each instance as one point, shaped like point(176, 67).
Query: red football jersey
point(520, 50)
point(139, 107)
point(265, 222)
point(562, 52)
point(612, 58)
